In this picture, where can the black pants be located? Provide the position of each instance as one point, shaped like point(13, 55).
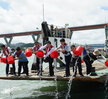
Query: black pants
point(67, 61)
point(88, 65)
point(7, 69)
point(78, 64)
point(25, 67)
point(51, 68)
point(38, 63)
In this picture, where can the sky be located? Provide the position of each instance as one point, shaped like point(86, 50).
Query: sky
point(27, 15)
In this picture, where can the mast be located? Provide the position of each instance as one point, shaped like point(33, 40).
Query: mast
point(43, 13)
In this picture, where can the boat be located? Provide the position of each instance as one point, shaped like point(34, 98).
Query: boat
point(54, 34)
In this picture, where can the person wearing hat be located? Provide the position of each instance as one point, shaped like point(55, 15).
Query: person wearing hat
point(89, 59)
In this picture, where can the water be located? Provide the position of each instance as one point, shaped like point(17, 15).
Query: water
point(55, 71)
point(24, 89)
point(70, 81)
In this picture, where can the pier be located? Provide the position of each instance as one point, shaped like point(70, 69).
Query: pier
point(100, 69)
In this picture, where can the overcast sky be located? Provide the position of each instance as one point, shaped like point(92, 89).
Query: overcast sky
point(26, 15)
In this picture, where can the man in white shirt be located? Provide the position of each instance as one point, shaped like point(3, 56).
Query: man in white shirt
point(49, 48)
point(66, 51)
point(35, 50)
point(6, 51)
point(76, 60)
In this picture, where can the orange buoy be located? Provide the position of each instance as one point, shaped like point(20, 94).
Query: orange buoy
point(78, 50)
point(54, 54)
point(40, 54)
point(3, 60)
point(10, 60)
point(28, 52)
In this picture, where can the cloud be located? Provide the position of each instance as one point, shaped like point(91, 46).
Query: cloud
point(26, 15)
point(89, 37)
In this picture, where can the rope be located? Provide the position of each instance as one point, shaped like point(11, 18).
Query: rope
point(103, 57)
point(100, 61)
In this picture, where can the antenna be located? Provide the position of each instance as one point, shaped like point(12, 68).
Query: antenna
point(43, 13)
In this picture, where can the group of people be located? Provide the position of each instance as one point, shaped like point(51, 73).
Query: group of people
point(18, 55)
point(68, 53)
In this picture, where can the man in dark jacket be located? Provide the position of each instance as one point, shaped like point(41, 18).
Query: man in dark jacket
point(89, 59)
point(76, 60)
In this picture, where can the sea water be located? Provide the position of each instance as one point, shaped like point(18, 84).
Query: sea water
point(32, 89)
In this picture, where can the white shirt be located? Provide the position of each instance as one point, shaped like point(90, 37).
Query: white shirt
point(49, 52)
point(36, 48)
point(65, 48)
point(9, 49)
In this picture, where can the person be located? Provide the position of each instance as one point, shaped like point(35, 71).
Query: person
point(6, 51)
point(66, 51)
point(76, 60)
point(49, 48)
point(35, 50)
point(23, 61)
point(89, 59)
point(13, 54)
point(84, 52)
